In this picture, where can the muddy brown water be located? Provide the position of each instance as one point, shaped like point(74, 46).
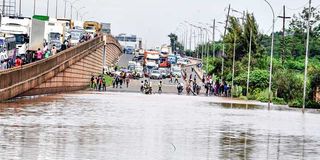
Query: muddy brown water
point(112, 126)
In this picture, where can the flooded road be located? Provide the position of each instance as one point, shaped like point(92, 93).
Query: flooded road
point(118, 126)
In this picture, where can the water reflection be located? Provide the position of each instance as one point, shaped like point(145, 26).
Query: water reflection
point(133, 126)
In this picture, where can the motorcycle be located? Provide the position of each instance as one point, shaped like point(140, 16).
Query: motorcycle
point(180, 90)
point(147, 89)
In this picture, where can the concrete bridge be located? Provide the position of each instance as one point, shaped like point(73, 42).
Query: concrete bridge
point(69, 70)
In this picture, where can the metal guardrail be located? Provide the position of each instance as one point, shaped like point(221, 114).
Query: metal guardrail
point(20, 74)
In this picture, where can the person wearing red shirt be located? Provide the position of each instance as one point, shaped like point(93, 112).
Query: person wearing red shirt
point(18, 62)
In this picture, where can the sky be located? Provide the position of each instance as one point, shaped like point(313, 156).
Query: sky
point(154, 20)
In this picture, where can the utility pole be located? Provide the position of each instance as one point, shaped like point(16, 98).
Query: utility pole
point(283, 34)
point(65, 9)
point(56, 9)
point(249, 62)
point(213, 36)
point(48, 2)
point(233, 64)
point(228, 15)
point(3, 7)
point(306, 60)
point(190, 43)
point(20, 8)
point(34, 7)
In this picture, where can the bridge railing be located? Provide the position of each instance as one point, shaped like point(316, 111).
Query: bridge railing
point(20, 74)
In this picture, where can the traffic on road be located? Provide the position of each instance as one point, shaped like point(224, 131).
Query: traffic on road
point(24, 40)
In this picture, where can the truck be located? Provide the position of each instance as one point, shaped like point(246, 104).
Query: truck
point(45, 30)
point(7, 47)
point(20, 28)
point(106, 28)
point(151, 59)
point(92, 27)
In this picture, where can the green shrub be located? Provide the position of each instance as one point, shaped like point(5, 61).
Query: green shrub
point(237, 91)
point(279, 101)
point(108, 80)
point(297, 103)
point(243, 98)
point(263, 96)
point(313, 104)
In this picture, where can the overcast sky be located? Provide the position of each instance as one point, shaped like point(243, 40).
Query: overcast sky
point(153, 20)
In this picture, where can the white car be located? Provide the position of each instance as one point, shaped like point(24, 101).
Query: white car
point(155, 74)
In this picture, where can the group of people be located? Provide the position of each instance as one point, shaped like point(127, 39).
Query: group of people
point(119, 80)
point(40, 54)
point(98, 83)
point(216, 88)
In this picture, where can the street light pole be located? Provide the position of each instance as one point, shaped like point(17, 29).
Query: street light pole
point(56, 9)
point(233, 64)
point(65, 8)
point(271, 55)
point(207, 46)
point(48, 2)
point(20, 8)
point(213, 38)
point(249, 62)
point(34, 7)
point(306, 61)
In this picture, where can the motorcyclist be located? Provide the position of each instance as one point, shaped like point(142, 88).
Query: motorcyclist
point(180, 88)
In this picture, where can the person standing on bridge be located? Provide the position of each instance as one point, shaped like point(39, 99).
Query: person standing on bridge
point(54, 50)
point(39, 54)
point(18, 62)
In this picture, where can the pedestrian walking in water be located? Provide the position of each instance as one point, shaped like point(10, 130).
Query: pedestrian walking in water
point(160, 87)
point(104, 84)
point(127, 81)
point(92, 82)
point(176, 79)
point(117, 81)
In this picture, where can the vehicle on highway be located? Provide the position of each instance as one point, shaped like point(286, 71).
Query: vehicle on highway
point(7, 46)
point(155, 74)
point(139, 71)
point(164, 72)
point(75, 36)
point(92, 27)
point(20, 28)
point(132, 65)
point(176, 71)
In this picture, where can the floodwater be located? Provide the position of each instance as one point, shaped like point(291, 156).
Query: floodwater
point(123, 126)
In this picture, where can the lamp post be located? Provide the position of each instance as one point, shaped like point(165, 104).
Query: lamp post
point(233, 63)
point(249, 62)
point(82, 15)
point(306, 61)
point(56, 9)
point(65, 9)
point(78, 12)
point(34, 7)
point(271, 55)
point(48, 2)
point(71, 6)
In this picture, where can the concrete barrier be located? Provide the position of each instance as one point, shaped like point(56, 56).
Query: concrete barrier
point(59, 72)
